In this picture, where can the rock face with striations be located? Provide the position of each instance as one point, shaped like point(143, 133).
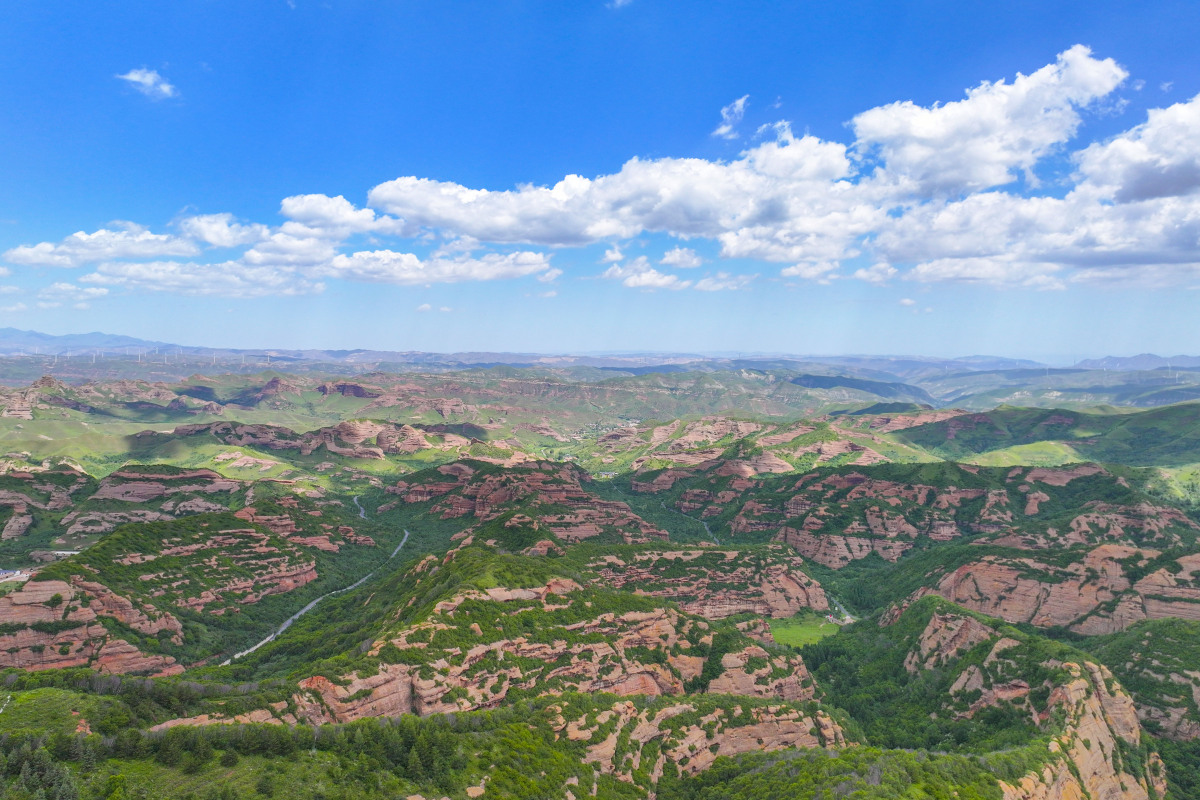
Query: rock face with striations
point(617, 738)
point(714, 583)
point(365, 439)
point(1093, 723)
point(476, 646)
point(571, 512)
point(1091, 596)
point(59, 626)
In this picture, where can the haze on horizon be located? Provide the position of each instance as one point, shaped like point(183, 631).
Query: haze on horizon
point(630, 176)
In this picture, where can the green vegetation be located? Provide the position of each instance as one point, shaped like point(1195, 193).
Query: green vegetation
point(804, 628)
point(1167, 436)
point(863, 670)
point(860, 772)
point(307, 452)
point(1156, 661)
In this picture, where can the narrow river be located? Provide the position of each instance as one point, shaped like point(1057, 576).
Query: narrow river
point(288, 623)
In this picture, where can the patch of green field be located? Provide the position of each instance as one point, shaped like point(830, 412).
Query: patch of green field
point(314, 775)
point(1179, 484)
point(804, 628)
point(41, 710)
point(1036, 454)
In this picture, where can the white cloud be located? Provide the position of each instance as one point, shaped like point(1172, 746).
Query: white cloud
point(14, 308)
point(128, 241)
point(783, 199)
point(228, 279)
point(292, 248)
point(4, 271)
point(387, 266)
point(999, 128)
point(424, 307)
point(80, 297)
point(723, 282)
point(638, 274)
point(1160, 158)
point(731, 117)
point(994, 271)
point(681, 258)
point(653, 279)
point(221, 230)
point(9, 290)
point(922, 193)
point(149, 83)
point(907, 301)
point(821, 271)
point(445, 309)
point(321, 214)
point(877, 273)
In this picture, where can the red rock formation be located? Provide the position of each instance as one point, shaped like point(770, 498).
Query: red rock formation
point(836, 551)
point(741, 583)
point(1075, 596)
point(86, 644)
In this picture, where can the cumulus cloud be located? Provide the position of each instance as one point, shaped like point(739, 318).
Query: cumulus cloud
point(149, 83)
point(14, 308)
point(877, 273)
point(127, 241)
point(319, 214)
point(821, 271)
point(999, 129)
point(907, 301)
point(222, 230)
point(681, 258)
point(779, 200)
point(731, 117)
point(1133, 215)
point(9, 290)
point(292, 248)
point(424, 307)
point(922, 193)
point(638, 274)
point(1160, 158)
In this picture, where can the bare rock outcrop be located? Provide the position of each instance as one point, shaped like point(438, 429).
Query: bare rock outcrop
point(716, 584)
point(1092, 596)
point(60, 627)
point(691, 748)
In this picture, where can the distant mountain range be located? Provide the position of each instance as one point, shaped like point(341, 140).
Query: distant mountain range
point(15, 342)
point(1140, 362)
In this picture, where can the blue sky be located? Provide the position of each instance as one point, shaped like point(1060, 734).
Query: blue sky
point(939, 178)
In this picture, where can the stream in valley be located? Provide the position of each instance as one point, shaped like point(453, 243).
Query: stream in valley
point(287, 623)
